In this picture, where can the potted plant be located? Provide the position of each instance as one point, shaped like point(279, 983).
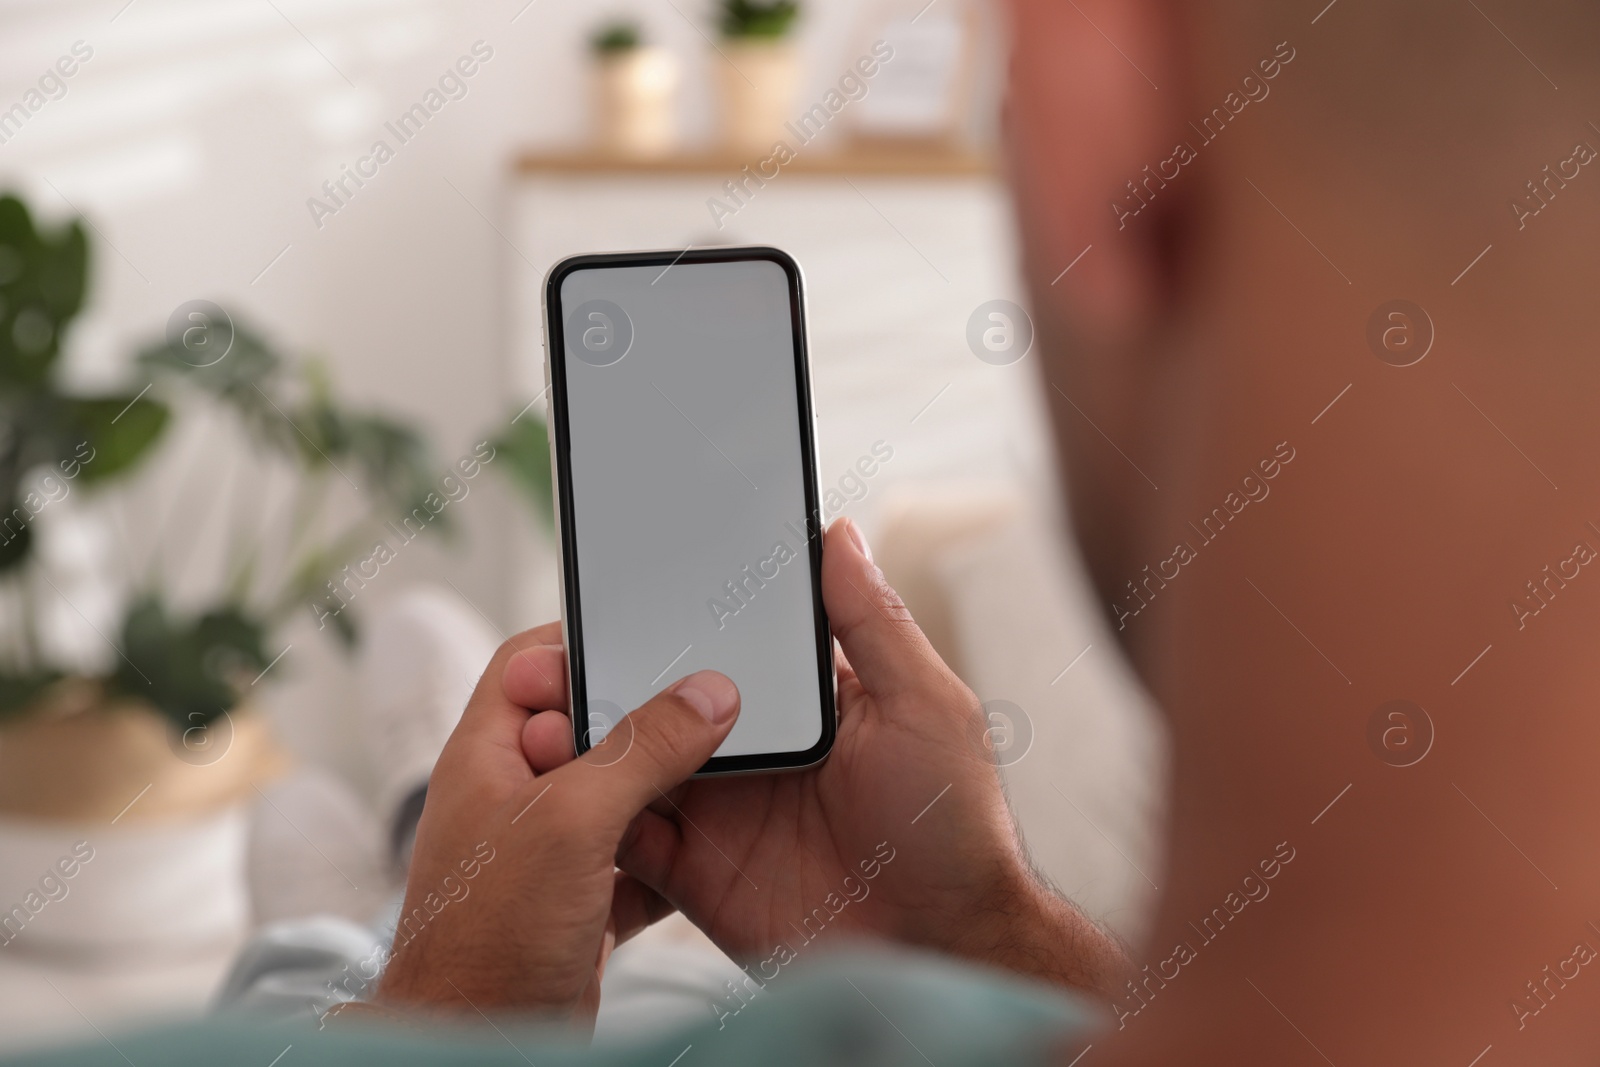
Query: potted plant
point(635, 91)
point(758, 72)
point(163, 716)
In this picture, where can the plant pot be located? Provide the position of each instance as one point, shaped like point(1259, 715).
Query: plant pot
point(81, 757)
point(142, 899)
point(635, 97)
point(758, 80)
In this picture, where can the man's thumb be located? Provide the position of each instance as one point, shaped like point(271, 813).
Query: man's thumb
point(883, 643)
point(660, 744)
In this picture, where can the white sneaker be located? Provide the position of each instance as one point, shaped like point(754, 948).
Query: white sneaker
point(422, 653)
point(315, 849)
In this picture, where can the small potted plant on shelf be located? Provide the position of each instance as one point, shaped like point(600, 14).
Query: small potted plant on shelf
point(758, 71)
point(635, 91)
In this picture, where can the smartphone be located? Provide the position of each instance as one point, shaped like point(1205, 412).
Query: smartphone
point(684, 446)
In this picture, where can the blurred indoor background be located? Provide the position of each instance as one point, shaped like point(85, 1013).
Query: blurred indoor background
point(224, 151)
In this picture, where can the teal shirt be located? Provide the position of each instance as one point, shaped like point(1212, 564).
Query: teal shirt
point(879, 1008)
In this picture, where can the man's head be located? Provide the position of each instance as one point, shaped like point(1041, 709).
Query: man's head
point(1246, 185)
point(1323, 383)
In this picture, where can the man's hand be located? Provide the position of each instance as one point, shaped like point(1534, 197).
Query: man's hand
point(902, 834)
point(513, 901)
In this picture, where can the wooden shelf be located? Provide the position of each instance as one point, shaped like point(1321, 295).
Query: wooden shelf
point(851, 161)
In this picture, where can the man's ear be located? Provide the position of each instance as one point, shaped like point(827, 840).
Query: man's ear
point(1097, 93)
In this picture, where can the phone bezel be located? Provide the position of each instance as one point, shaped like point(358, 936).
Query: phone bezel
point(572, 616)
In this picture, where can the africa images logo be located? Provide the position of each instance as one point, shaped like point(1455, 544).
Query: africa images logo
point(599, 333)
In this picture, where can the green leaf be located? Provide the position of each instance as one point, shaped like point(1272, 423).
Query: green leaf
point(393, 462)
point(63, 274)
point(621, 35)
point(16, 520)
point(383, 457)
point(244, 379)
point(111, 433)
point(191, 669)
point(20, 692)
point(344, 624)
point(16, 538)
point(43, 277)
point(524, 449)
point(249, 367)
point(748, 18)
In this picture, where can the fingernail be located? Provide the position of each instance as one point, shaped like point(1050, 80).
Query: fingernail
point(712, 694)
point(859, 538)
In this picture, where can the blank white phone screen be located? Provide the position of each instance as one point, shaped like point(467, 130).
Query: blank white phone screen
point(688, 499)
